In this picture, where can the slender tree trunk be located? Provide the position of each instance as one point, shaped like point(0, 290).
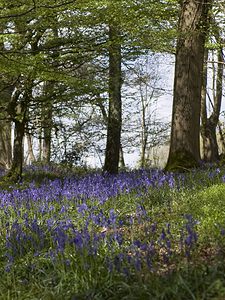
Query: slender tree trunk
point(115, 110)
point(122, 160)
point(143, 149)
point(204, 120)
point(5, 145)
point(144, 140)
point(144, 132)
point(222, 140)
point(40, 144)
point(209, 125)
point(6, 90)
point(185, 146)
point(47, 130)
point(30, 148)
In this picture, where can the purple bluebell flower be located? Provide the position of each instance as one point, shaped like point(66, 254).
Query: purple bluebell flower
point(82, 208)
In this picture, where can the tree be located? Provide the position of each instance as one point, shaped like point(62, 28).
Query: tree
point(209, 124)
point(192, 31)
point(121, 39)
point(5, 145)
point(115, 110)
point(6, 89)
point(5, 126)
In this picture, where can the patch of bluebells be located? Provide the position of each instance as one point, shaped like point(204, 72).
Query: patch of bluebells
point(123, 253)
point(78, 191)
point(158, 249)
point(58, 215)
point(188, 235)
point(214, 173)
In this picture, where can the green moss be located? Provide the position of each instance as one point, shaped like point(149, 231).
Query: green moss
point(181, 161)
point(222, 159)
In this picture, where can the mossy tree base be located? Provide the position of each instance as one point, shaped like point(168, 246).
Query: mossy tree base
point(14, 175)
point(181, 161)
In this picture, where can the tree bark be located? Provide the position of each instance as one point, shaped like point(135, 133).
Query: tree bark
point(17, 109)
point(15, 172)
point(122, 164)
point(115, 110)
point(144, 132)
point(209, 125)
point(5, 145)
point(6, 90)
point(185, 146)
point(47, 133)
point(31, 157)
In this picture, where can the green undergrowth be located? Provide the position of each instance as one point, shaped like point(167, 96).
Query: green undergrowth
point(196, 271)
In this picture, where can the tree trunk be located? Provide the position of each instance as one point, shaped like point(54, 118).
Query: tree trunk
point(222, 140)
point(6, 90)
point(40, 144)
point(5, 145)
point(122, 164)
point(185, 146)
point(17, 109)
point(209, 125)
point(210, 145)
point(105, 119)
point(15, 172)
point(144, 131)
point(47, 130)
point(31, 156)
point(115, 110)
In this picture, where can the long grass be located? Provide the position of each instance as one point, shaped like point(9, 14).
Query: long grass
point(142, 234)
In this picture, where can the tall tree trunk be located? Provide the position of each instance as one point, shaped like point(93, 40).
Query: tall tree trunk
point(15, 172)
point(47, 131)
point(184, 146)
point(17, 109)
point(222, 140)
point(31, 156)
point(47, 145)
point(40, 144)
point(144, 133)
point(209, 125)
point(6, 90)
point(5, 145)
point(143, 149)
point(115, 110)
point(205, 141)
point(122, 164)
point(105, 119)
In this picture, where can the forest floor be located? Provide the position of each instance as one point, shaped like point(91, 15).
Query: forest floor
point(142, 234)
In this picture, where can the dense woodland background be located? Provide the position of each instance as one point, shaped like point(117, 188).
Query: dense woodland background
point(83, 77)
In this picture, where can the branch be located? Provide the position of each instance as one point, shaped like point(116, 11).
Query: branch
point(34, 7)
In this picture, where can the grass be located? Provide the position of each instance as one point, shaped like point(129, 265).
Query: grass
point(139, 235)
